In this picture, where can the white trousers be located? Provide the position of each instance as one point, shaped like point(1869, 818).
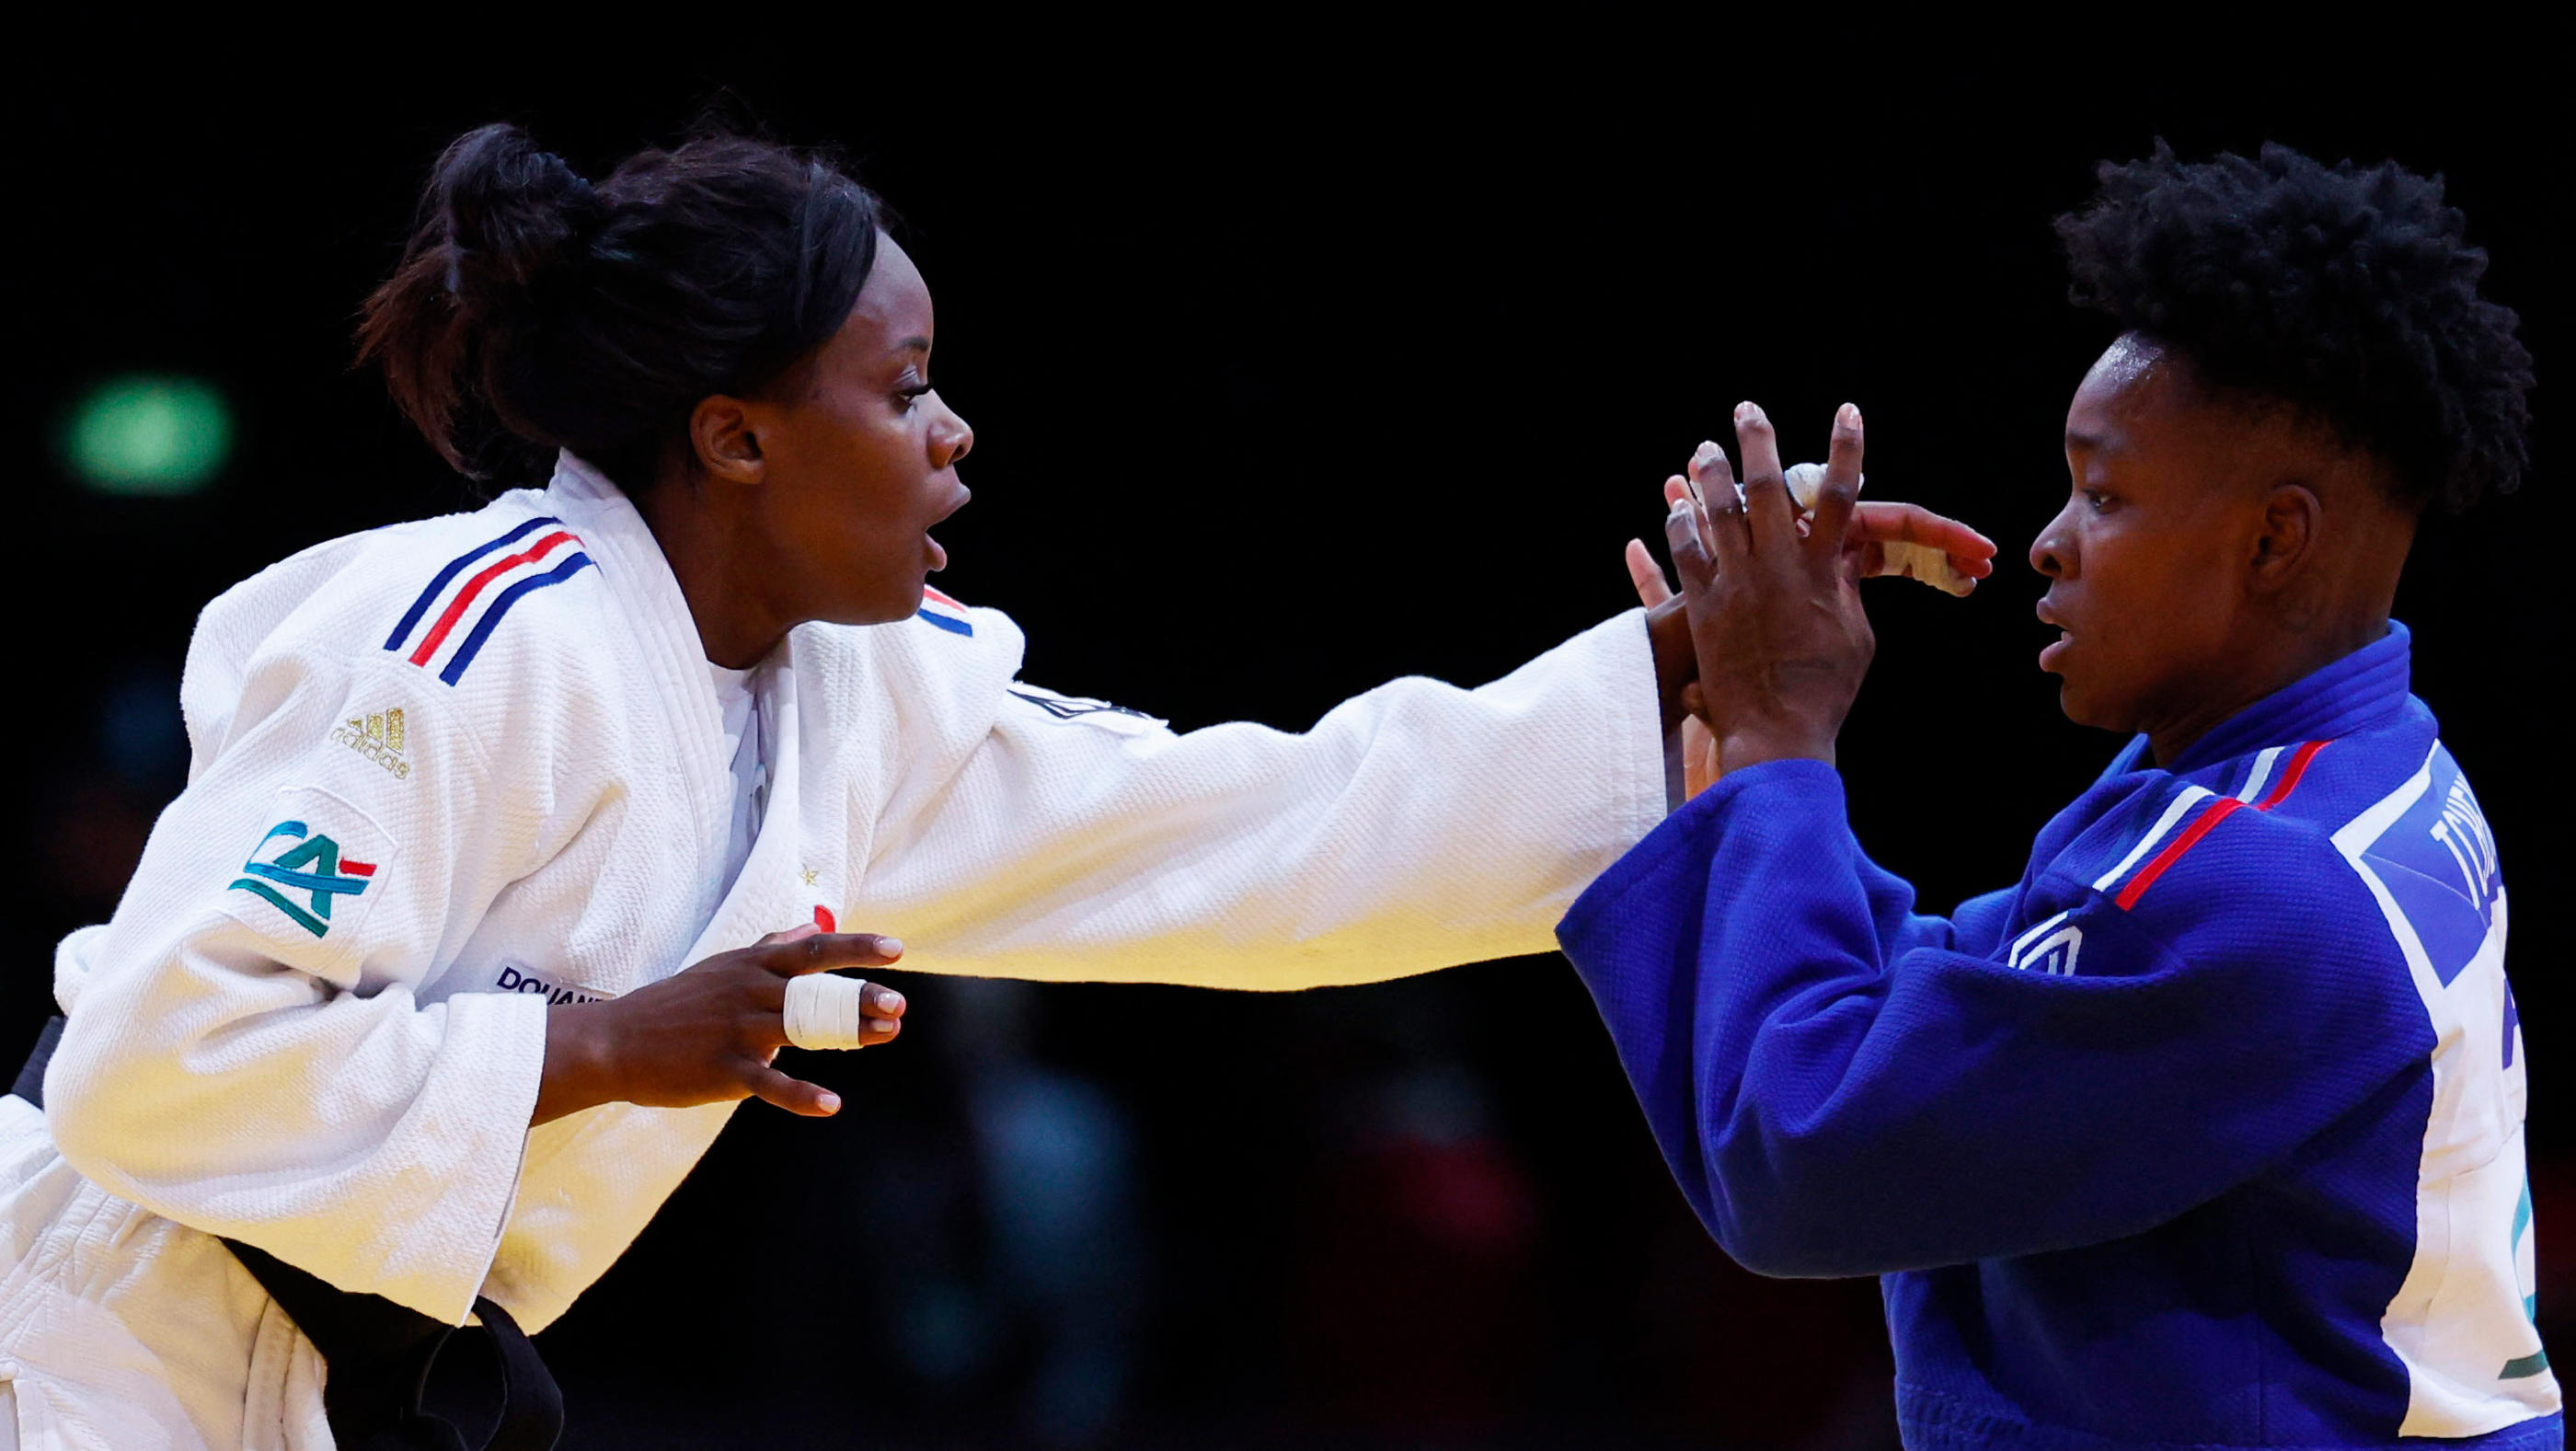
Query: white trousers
point(122, 1331)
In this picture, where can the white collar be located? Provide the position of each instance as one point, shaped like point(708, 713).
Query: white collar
point(650, 603)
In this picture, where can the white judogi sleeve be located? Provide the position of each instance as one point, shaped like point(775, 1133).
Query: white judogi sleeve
point(246, 1052)
point(1414, 827)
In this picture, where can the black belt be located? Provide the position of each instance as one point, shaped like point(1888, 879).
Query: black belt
point(380, 1354)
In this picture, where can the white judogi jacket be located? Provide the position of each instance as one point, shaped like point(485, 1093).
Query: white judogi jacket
point(448, 772)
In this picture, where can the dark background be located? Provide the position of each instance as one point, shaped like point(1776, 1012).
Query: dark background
point(1298, 360)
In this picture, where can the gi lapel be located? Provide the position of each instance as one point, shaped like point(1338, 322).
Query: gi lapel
point(765, 898)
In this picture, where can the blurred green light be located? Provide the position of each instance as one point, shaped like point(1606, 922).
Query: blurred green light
point(150, 435)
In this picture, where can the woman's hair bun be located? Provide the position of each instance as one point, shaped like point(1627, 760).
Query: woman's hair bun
point(512, 211)
point(533, 312)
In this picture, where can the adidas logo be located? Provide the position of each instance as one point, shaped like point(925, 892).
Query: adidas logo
point(378, 736)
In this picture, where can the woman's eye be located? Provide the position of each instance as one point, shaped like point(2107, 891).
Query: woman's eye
point(911, 395)
point(2099, 501)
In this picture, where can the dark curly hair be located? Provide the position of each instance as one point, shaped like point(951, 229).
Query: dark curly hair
point(533, 311)
point(2344, 292)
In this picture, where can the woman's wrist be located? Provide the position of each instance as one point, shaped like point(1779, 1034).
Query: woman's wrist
point(1755, 743)
point(576, 1074)
point(1668, 632)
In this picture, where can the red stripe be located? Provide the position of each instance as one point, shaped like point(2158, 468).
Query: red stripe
point(2173, 851)
point(823, 918)
point(357, 869)
point(456, 607)
point(2290, 774)
point(2217, 812)
point(929, 593)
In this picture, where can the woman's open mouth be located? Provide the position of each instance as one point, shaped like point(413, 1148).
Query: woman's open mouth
point(931, 548)
point(2055, 650)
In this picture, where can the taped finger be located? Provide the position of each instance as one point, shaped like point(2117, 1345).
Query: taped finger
point(823, 1011)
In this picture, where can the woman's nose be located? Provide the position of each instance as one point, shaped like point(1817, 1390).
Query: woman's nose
point(2051, 553)
point(952, 440)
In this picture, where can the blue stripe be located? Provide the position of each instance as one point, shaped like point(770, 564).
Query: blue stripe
point(492, 616)
point(954, 627)
point(420, 607)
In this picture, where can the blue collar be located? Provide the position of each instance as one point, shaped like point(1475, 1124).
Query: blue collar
point(2350, 694)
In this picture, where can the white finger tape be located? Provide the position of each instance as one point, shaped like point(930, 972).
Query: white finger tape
point(1805, 479)
point(824, 1011)
point(1911, 561)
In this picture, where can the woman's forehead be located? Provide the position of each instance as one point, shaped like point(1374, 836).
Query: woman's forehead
point(893, 309)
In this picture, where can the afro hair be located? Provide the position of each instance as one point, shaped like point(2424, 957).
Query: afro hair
point(2344, 292)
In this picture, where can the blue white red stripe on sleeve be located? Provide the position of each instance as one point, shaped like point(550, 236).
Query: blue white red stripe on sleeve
point(945, 612)
point(486, 595)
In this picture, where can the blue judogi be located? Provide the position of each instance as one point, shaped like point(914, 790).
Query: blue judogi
point(2208, 1132)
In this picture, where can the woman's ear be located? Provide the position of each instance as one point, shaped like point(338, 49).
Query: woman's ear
point(2285, 535)
point(722, 435)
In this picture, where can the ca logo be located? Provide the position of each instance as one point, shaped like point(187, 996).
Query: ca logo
point(308, 864)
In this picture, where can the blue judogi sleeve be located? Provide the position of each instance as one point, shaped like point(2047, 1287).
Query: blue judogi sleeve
point(1844, 1087)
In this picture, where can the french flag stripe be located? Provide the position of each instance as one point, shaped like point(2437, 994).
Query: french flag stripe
point(2219, 811)
point(2146, 877)
point(946, 613)
point(464, 600)
point(2261, 773)
point(2164, 823)
point(2290, 775)
point(573, 564)
point(437, 586)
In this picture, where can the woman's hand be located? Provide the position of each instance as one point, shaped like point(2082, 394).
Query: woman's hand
point(1700, 768)
point(1775, 612)
point(708, 1034)
point(1872, 527)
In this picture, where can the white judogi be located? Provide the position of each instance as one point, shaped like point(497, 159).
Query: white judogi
point(316, 1023)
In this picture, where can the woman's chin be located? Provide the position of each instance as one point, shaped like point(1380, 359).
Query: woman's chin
point(2085, 707)
point(879, 611)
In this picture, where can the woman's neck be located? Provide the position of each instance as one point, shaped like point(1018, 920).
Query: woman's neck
point(2301, 656)
point(722, 571)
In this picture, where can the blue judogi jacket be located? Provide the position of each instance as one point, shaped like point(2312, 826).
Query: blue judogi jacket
point(2207, 1132)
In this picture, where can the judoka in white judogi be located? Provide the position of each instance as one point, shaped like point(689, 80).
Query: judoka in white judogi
point(448, 773)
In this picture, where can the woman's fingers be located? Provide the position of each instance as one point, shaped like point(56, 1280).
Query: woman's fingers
point(1840, 490)
point(792, 1094)
point(826, 951)
point(1652, 587)
point(1721, 522)
point(1770, 514)
point(1687, 538)
point(1971, 553)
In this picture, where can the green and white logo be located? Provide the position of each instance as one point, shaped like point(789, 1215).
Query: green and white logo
point(309, 864)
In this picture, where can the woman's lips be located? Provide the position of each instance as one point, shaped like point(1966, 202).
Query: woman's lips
point(2054, 650)
point(931, 547)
